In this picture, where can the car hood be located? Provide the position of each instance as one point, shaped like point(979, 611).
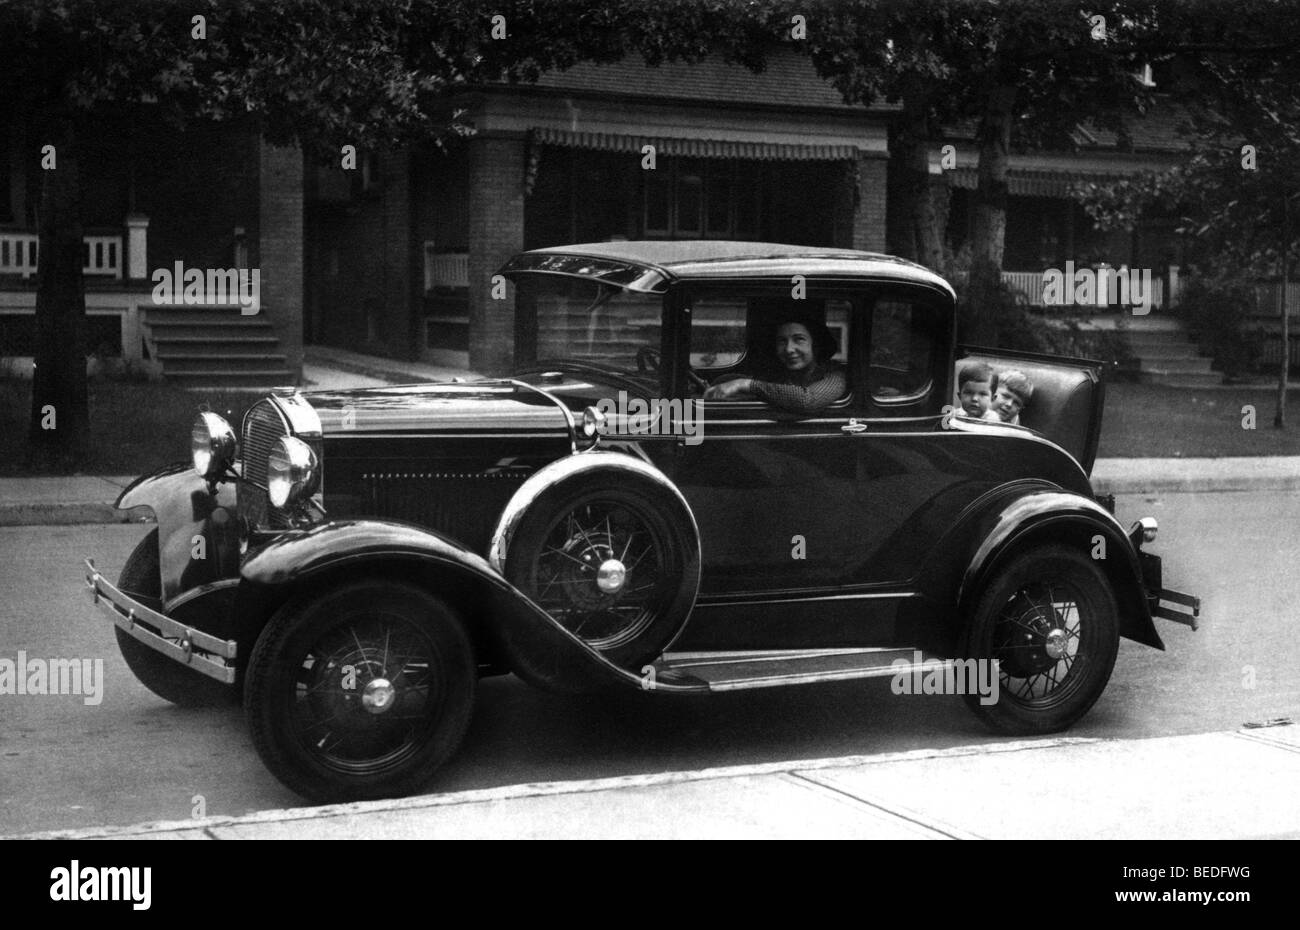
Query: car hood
point(488, 406)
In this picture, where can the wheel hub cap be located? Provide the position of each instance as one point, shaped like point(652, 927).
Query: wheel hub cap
point(610, 576)
point(378, 696)
point(1055, 643)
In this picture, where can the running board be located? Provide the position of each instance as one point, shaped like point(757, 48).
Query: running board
point(738, 671)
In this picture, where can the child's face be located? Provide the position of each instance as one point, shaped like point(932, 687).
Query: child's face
point(1006, 404)
point(975, 397)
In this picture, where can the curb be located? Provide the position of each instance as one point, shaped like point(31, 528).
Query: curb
point(64, 513)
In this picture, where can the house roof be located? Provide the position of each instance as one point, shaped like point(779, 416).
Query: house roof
point(789, 81)
point(1155, 131)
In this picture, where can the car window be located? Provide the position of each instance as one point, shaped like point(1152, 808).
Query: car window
point(719, 334)
point(904, 335)
point(718, 331)
point(564, 318)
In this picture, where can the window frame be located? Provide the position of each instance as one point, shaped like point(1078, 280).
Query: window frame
point(851, 404)
point(930, 400)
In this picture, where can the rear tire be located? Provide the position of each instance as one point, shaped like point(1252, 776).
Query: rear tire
point(1050, 619)
point(165, 677)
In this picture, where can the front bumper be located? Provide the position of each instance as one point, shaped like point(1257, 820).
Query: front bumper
point(206, 654)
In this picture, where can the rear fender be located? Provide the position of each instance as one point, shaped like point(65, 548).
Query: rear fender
point(1044, 516)
point(198, 533)
point(503, 619)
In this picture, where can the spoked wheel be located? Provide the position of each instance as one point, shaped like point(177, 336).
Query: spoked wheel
point(614, 564)
point(1050, 620)
point(362, 692)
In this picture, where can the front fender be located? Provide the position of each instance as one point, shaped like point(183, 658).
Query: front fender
point(1062, 515)
point(198, 535)
point(535, 646)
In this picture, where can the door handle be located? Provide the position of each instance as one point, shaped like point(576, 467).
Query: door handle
point(853, 426)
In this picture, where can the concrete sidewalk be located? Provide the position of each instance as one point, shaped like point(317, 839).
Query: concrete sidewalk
point(62, 500)
point(89, 498)
point(1233, 785)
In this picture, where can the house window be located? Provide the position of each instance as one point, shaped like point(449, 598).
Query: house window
point(694, 198)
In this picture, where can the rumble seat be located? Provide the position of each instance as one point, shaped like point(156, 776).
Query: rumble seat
point(1061, 408)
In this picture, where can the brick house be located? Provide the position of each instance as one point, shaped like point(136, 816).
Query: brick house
point(1046, 228)
point(396, 257)
point(400, 256)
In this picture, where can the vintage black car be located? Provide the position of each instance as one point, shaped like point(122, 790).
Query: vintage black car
point(354, 561)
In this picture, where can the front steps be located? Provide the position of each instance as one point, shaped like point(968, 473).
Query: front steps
point(216, 347)
point(1166, 356)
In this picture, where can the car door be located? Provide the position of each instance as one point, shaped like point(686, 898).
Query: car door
point(775, 494)
point(915, 476)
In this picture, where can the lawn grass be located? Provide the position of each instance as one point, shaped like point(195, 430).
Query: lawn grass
point(1150, 421)
point(134, 426)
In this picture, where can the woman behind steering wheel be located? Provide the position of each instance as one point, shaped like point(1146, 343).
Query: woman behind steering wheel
point(805, 379)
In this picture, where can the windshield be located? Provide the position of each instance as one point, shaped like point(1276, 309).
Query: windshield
point(584, 321)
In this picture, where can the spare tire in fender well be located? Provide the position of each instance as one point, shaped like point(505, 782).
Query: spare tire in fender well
point(609, 547)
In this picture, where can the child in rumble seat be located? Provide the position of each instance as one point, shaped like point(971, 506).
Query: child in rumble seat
point(974, 389)
point(1011, 392)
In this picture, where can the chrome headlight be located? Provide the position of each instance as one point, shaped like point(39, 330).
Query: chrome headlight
point(212, 445)
point(291, 471)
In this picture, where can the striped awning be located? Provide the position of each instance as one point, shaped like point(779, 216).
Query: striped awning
point(1037, 183)
point(693, 148)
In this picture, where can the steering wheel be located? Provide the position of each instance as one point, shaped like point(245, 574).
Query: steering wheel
point(647, 360)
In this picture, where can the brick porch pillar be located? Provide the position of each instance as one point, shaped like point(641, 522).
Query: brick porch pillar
point(496, 231)
point(869, 221)
point(280, 246)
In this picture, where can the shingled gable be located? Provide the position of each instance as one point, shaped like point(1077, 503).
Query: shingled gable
point(788, 82)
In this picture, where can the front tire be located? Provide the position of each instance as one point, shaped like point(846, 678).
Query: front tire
point(360, 693)
point(1050, 620)
point(165, 677)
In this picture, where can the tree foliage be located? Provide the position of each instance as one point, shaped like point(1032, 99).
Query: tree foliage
point(317, 73)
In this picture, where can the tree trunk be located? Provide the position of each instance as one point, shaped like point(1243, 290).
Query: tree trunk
point(1279, 418)
point(925, 237)
point(59, 433)
point(988, 238)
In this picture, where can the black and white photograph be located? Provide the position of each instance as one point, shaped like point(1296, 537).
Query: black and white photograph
point(651, 419)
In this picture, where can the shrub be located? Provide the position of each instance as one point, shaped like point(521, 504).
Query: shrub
point(991, 314)
point(1217, 309)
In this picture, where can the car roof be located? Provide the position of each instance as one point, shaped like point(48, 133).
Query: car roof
point(650, 265)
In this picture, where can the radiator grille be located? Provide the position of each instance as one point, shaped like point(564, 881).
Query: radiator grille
point(262, 427)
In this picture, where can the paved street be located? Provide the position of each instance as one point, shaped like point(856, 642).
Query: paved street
point(135, 758)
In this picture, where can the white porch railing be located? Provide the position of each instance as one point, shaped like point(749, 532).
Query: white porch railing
point(19, 255)
point(1030, 285)
point(445, 269)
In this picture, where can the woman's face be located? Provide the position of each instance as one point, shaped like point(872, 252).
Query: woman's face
point(794, 346)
